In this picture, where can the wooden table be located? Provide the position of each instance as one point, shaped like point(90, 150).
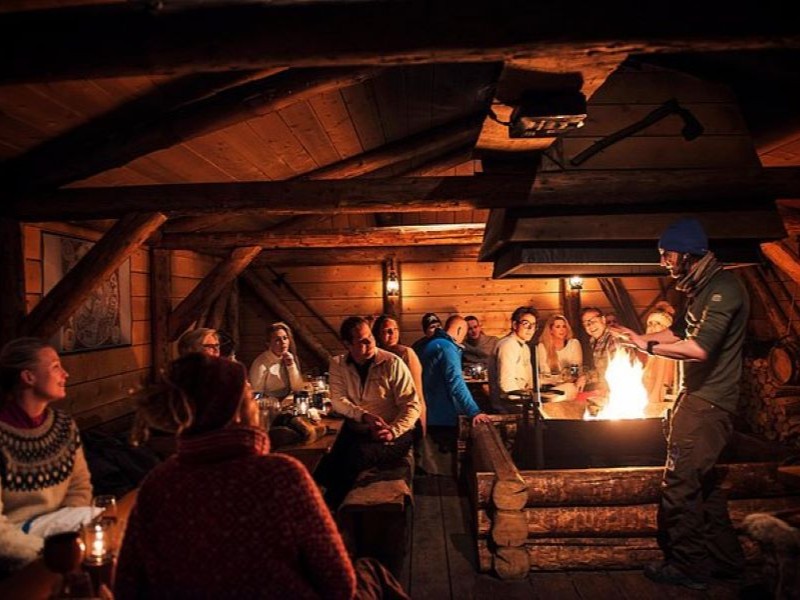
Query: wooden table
point(311, 453)
point(35, 582)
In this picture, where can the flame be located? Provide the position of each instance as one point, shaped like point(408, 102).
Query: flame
point(627, 395)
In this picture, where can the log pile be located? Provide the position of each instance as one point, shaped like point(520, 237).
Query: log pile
point(601, 518)
point(771, 409)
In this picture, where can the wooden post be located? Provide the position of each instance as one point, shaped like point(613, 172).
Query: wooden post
point(232, 315)
point(209, 288)
point(509, 496)
point(160, 307)
point(12, 280)
point(119, 242)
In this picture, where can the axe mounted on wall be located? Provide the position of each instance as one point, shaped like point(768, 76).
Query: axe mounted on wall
point(692, 129)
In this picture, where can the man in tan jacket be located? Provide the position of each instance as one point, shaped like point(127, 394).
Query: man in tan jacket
point(374, 390)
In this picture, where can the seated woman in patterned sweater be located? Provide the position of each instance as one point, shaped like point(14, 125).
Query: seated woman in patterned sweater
point(223, 518)
point(42, 466)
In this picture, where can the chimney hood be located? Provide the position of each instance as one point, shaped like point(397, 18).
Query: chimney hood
point(616, 241)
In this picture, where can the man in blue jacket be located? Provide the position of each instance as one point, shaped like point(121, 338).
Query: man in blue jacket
point(449, 396)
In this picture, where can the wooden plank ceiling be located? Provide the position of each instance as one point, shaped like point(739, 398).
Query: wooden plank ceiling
point(368, 100)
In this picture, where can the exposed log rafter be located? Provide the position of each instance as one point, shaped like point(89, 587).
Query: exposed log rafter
point(205, 293)
point(127, 39)
point(411, 235)
point(549, 192)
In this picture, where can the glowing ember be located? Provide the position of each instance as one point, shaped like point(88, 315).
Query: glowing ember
point(627, 394)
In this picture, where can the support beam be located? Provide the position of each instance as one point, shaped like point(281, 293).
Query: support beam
point(409, 235)
point(367, 256)
point(122, 240)
point(270, 297)
point(201, 297)
point(756, 285)
point(52, 167)
point(12, 280)
point(160, 307)
point(783, 258)
point(136, 39)
point(549, 192)
point(279, 282)
point(620, 300)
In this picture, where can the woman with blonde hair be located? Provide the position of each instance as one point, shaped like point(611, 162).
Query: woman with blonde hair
point(257, 520)
point(276, 371)
point(41, 458)
point(660, 374)
point(557, 353)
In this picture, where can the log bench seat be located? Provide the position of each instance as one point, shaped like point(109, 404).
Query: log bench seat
point(375, 514)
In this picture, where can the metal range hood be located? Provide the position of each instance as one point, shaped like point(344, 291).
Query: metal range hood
point(618, 242)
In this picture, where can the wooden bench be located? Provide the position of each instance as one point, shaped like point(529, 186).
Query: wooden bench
point(375, 515)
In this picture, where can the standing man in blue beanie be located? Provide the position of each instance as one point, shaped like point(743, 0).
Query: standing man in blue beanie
point(695, 531)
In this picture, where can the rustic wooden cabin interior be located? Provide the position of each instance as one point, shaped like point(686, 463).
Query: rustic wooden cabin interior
point(241, 163)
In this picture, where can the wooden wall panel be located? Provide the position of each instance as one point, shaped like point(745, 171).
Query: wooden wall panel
point(102, 382)
point(445, 288)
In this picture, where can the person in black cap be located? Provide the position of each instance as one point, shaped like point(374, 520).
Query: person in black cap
point(695, 531)
point(430, 323)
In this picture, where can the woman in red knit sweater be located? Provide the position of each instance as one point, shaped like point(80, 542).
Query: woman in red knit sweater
point(223, 518)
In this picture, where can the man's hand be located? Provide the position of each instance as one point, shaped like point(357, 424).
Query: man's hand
point(378, 428)
point(480, 418)
point(628, 337)
point(580, 383)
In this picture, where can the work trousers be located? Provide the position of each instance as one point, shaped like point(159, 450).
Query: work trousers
point(695, 530)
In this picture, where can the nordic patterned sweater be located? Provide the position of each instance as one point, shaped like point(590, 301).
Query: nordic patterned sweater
point(42, 469)
point(225, 519)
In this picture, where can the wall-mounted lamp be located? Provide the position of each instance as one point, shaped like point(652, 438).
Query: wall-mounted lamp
point(576, 283)
point(392, 282)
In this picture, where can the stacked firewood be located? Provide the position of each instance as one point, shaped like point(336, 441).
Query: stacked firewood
point(771, 409)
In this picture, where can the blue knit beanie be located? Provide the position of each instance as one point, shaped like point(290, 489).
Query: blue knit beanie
point(686, 235)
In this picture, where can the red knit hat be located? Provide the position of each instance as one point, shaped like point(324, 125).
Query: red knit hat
point(213, 388)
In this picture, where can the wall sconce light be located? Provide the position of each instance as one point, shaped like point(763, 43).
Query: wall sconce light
point(576, 283)
point(392, 282)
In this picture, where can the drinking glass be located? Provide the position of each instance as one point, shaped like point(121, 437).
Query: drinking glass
point(108, 518)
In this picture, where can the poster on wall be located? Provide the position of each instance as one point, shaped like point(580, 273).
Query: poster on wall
point(103, 320)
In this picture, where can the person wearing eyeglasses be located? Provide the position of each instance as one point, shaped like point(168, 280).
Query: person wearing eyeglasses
point(202, 339)
point(276, 371)
point(510, 368)
point(602, 343)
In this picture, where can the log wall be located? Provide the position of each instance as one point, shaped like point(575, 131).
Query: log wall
point(101, 382)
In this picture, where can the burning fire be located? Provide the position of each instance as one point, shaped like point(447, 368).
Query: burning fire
point(627, 397)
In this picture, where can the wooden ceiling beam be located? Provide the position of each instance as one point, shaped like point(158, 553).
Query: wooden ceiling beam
point(138, 39)
point(366, 256)
point(61, 163)
point(122, 240)
point(551, 191)
point(404, 235)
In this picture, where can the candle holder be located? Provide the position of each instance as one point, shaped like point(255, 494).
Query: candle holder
point(98, 561)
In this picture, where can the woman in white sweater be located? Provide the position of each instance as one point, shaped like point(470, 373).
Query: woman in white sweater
point(556, 353)
point(276, 372)
point(41, 459)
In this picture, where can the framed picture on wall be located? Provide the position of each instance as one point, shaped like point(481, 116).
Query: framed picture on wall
point(104, 318)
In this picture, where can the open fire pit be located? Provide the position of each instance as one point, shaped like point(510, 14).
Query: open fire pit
point(593, 501)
